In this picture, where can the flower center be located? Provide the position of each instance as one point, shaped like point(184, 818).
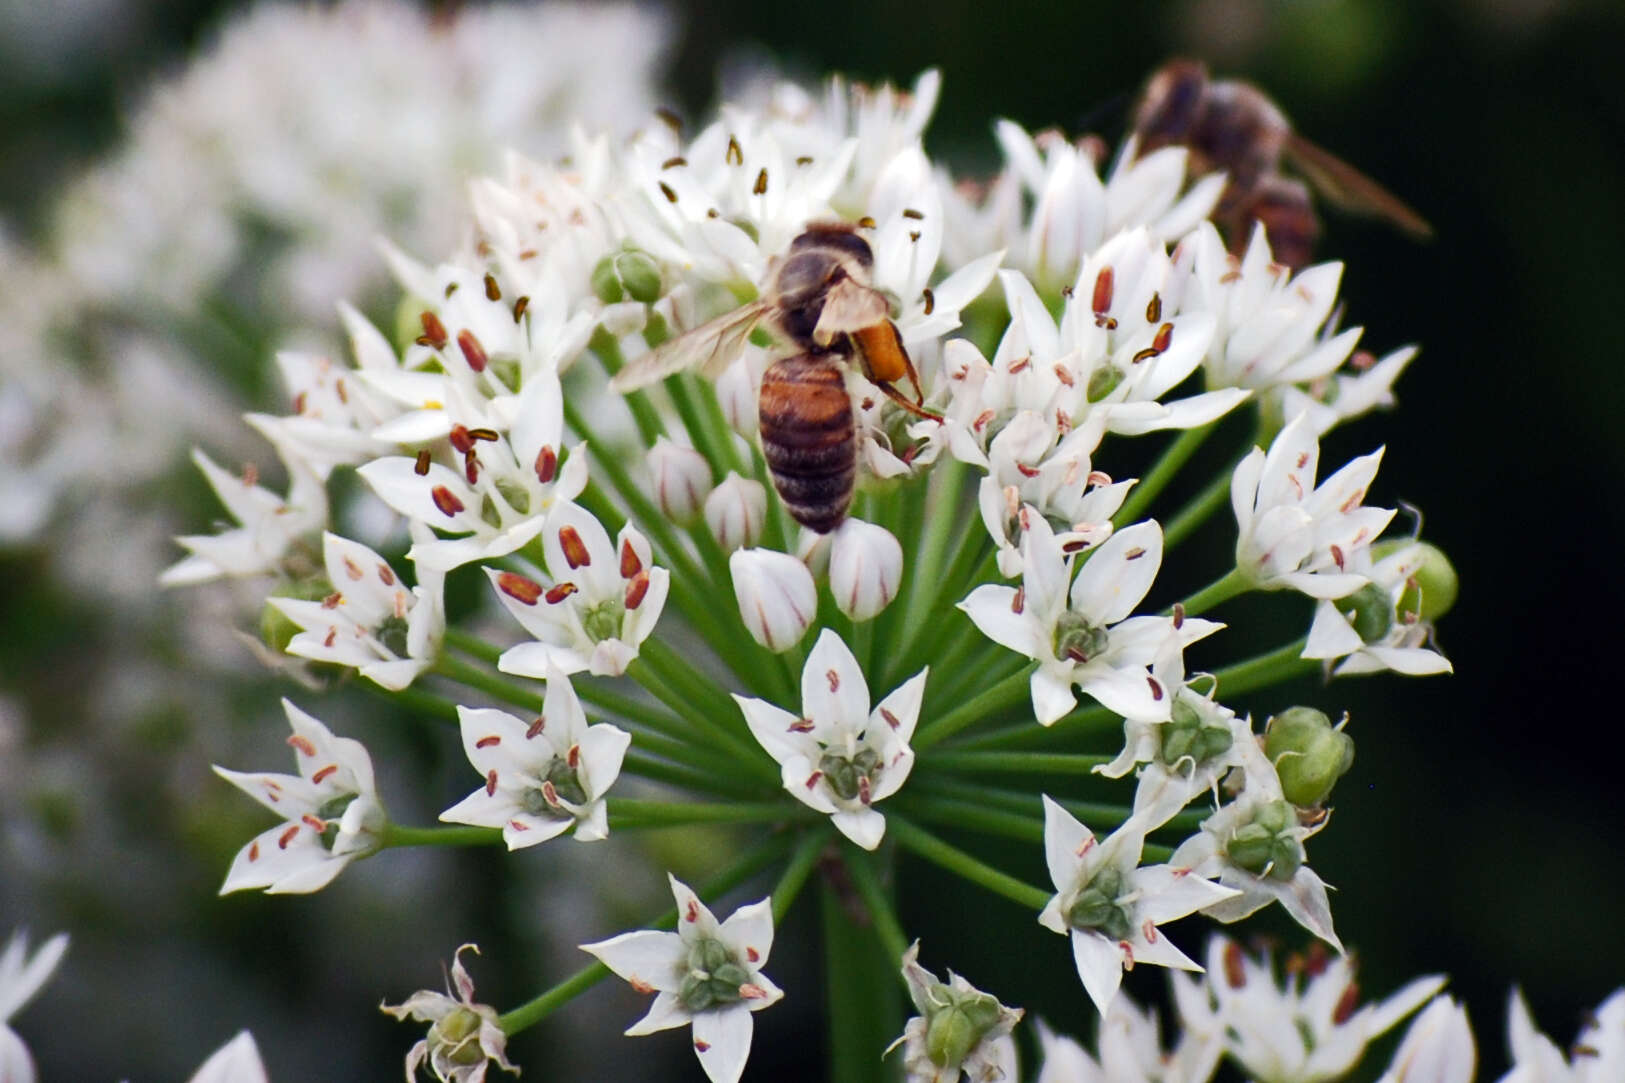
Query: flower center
point(565, 786)
point(1189, 737)
point(1267, 846)
point(1076, 639)
point(603, 621)
point(1371, 611)
point(714, 977)
point(391, 632)
point(1098, 908)
point(457, 1037)
point(850, 776)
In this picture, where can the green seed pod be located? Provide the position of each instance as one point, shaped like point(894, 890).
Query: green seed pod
point(606, 283)
point(695, 993)
point(603, 621)
point(1371, 611)
point(842, 774)
point(1309, 754)
point(1267, 845)
point(456, 1035)
point(710, 954)
point(730, 976)
point(566, 782)
point(1076, 639)
point(1432, 589)
point(391, 632)
point(640, 275)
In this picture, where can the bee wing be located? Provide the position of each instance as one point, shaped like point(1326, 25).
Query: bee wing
point(848, 307)
point(1350, 189)
point(710, 347)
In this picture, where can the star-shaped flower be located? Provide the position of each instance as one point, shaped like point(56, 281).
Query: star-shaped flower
point(1085, 636)
point(1110, 906)
point(960, 1029)
point(603, 602)
point(330, 810)
point(837, 756)
point(1372, 629)
point(22, 976)
point(371, 620)
point(707, 974)
point(541, 777)
point(464, 1037)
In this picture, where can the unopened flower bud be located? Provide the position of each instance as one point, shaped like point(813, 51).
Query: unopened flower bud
point(1432, 586)
point(865, 566)
point(1370, 610)
point(1268, 846)
point(1309, 753)
point(736, 394)
point(776, 595)
point(682, 479)
point(958, 1029)
point(627, 274)
point(734, 512)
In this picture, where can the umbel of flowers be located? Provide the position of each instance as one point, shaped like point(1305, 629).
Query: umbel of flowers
point(991, 640)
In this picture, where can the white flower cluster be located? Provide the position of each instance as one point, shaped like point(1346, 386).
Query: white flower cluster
point(744, 251)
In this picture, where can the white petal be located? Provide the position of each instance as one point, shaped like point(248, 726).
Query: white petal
point(722, 1042)
point(865, 827)
point(903, 704)
point(664, 1014)
point(833, 689)
point(1119, 575)
point(1052, 696)
point(238, 1061)
point(1100, 965)
point(647, 957)
point(749, 932)
point(990, 608)
point(1168, 893)
point(1065, 841)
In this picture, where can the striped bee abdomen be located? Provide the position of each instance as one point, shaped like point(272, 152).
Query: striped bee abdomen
point(809, 438)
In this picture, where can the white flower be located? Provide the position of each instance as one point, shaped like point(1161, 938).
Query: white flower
point(682, 479)
point(1304, 1030)
point(238, 1061)
point(269, 524)
point(1437, 1047)
point(865, 567)
point(707, 974)
point(541, 777)
point(370, 620)
point(1130, 1051)
point(503, 488)
point(1198, 745)
point(1598, 1054)
point(330, 810)
point(1367, 629)
point(22, 976)
point(777, 597)
point(604, 600)
point(464, 1037)
point(837, 756)
point(1332, 400)
point(960, 1029)
point(1296, 535)
point(735, 511)
point(1086, 636)
point(1111, 906)
point(1255, 845)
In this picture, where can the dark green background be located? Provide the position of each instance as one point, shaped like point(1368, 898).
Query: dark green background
point(1476, 833)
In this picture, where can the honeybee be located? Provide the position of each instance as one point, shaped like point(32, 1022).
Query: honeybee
point(818, 297)
point(1231, 125)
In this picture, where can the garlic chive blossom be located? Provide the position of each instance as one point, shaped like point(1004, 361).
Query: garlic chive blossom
point(837, 756)
point(707, 974)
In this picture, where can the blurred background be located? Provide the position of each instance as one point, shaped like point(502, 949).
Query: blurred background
point(1476, 834)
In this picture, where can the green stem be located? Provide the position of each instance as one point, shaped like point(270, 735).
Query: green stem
point(699, 780)
point(401, 835)
point(748, 756)
point(1069, 728)
point(743, 868)
point(991, 821)
point(957, 861)
point(877, 900)
point(427, 704)
point(497, 687)
point(999, 697)
point(1220, 590)
point(1281, 664)
point(625, 812)
point(862, 1001)
point(608, 351)
point(1054, 763)
point(472, 644)
point(1196, 511)
point(1168, 464)
point(796, 871)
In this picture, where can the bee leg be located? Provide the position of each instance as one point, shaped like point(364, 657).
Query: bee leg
point(918, 410)
point(914, 378)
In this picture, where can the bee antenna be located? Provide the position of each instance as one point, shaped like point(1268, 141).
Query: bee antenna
point(1415, 514)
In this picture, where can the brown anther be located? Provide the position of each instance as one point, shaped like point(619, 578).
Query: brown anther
point(559, 592)
point(254, 851)
point(1027, 471)
point(1101, 302)
point(332, 601)
point(1076, 545)
point(287, 836)
point(573, 757)
point(489, 436)
point(865, 793)
point(1179, 616)
point(691, 912)
point(1063, 374)
point(1107, 322)
point(1578, 1050)
point(529, 253)
point(1085, 846)
point(669, 192)
point(421, 467)
point(930, 300)
point(640, 986)
point(637, 589)
point(473, 352)
point(1229, 277)
point(752, 955)
point(760, 187)
point(1067, 292)
point(805, 159)
point(434, 332)
point(914, 235)
point(672, 163)
point(386, 575)
point(535, 729)
point(575, 550)
point(518, 587)
point(910, 212)
point(1149, 931)
point(670, 119)
point(1337, 556)
point(812, 779)
point(471, 468)
point(451, 288)
point(701, 1046)
point(299, 401)
point(446, 501)
point(631, 563)
point(493, 292)
point(1019, 602)
point(1352, 502)
point(1164, 336)
point(547, 464)
point(1362, 360)
point(1134, 554)
point(325, 773)
point(834, 680)
point(491, 782)
point(982, 419)
point(519, 825)
point(801, 725)
point(1144, 355)
point(1153, 310)
point(733, 155)
point(519, 307)
point(550, 793)
point(251, 475)
point(489, 742)
point(460, 440)
point(331, 638)
point(1346, 1004)
point(1235, 970)
point(1019, 365)
point(303, 745)
point(1156, 689)
point(866, 222)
